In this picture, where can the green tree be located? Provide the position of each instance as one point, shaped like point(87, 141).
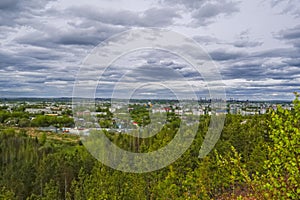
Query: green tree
point(282, 180)
point(6, 194)
point(51, 191)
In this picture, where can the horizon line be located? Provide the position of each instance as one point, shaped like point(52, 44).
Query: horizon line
point(199, 99)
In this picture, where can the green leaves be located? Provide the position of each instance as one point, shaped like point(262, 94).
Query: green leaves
point(6, 194)
point(283, 170)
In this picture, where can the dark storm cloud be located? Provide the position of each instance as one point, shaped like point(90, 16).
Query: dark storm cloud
point(260, 70)
point(291, 36)
point(76, 36)
point(40, 54)
point(21, 81)
point(32, 60)
point(168, 62)
point(222, 55)
point(35, 38)
point(12, 12)
point(19, 62)
point(284, 73)
point(150, 66)
point(293, 62)
point(246, 43)
point(276, 52)
point(8, 4)
point(149, 73)
point(246, 71)
point(8, 59)
point(60, 77)
point(29, 6)
point(190, 4)
point(36, 81)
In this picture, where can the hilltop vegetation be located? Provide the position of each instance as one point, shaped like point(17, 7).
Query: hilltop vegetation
point(256, 157)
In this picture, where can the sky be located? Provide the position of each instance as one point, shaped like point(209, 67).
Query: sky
point(254, 43)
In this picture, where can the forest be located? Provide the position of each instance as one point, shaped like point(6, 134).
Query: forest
point(256, 157)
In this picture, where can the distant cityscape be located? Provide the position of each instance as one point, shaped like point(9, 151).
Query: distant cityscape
point(63, 107)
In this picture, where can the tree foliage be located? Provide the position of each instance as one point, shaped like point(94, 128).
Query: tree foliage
point(256, 157)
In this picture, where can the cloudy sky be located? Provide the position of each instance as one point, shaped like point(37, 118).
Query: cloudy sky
point(254, 43)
